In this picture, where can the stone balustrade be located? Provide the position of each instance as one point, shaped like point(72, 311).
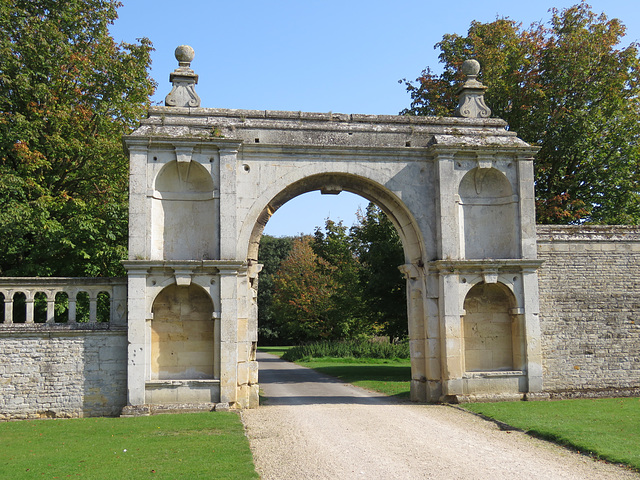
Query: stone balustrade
point(58, 300)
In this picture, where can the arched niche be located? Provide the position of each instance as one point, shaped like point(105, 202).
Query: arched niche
point(183, 220)
point(489, 220)
point(492, 332)
point(182, 334)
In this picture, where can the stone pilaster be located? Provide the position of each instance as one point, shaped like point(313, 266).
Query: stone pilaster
point(527, 209)
point(138, 235)
point(228, 203)
point(417, 334)
point(533, 335)
point(137, 365)
point(450, 334)
point(447, 230)
point(228, 334)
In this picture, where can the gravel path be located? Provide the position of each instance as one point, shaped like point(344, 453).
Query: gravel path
point(315, 427)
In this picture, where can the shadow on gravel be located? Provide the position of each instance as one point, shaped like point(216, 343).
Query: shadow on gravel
point(284, 383)
point(331, 400)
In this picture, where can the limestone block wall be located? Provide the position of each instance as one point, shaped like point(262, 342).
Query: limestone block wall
point(56, 371)
point(589, 309)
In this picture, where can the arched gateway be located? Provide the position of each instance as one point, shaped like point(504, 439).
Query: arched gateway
point(204, 182)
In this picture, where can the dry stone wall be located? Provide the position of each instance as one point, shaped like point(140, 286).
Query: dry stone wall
point(57, 371)
point(589, 302)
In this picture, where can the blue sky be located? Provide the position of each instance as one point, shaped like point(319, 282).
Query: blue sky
point(317, 56)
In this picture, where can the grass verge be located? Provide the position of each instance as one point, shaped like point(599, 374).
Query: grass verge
point(606, 428)
point(194, 445)
point(279, 351)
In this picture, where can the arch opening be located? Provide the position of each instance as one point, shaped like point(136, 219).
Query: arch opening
point(334, 183)
point(402, 222)
point(19, 307)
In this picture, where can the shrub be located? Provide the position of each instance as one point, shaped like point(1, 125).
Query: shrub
point(348, 349)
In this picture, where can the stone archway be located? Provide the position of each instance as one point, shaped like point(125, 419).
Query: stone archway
point(440, 180)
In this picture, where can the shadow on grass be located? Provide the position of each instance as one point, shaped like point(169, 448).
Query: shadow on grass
point(382, 373)
point(390, 380)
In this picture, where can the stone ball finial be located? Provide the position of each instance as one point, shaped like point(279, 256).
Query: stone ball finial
point(471, 93)
point(471, 67)
point(184, 55)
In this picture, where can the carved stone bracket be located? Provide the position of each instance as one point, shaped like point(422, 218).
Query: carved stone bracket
point(471, 94)
point(184, 80)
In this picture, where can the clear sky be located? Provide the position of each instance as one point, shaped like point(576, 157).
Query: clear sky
point(318, 56)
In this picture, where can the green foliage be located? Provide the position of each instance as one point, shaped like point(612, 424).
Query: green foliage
point(348, 349)
point(376, 244)
point(302, 294)
point(200, 445)
point(605, 428)
point(347, 311)
point(67, 94)
point(567, 87)
point(272, 251)
point(338, 284)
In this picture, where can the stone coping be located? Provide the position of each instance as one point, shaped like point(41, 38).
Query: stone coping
point(64, 281)
point(326, 117)
point(228, 128)
point(587, 233)
point(157, 409)
point(60, 328)
point(495, 374)
point(204, 382)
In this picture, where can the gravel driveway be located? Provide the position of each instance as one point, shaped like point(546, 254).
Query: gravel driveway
point(315, 427)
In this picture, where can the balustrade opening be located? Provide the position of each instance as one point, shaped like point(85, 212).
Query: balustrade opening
point(19, 308)
point(40, 307)
point(61, 307)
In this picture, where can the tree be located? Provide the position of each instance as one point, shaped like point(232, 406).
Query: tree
point(348, 309)
point(273, 251)
point(569, 88)
point(303, 287)
point(68, 93)
point(377, 245)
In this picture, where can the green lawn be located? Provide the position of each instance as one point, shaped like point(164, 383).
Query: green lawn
point(608, 428)
point(194, 445)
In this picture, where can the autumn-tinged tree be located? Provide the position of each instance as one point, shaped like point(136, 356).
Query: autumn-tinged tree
point(338, 284)
point(568, 87)
point(303, 287)
point(68, 93)
point(273, 250)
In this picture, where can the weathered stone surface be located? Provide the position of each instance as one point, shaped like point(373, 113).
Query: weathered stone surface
point(589, 303)
point(62, 373)
point(207, 181)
